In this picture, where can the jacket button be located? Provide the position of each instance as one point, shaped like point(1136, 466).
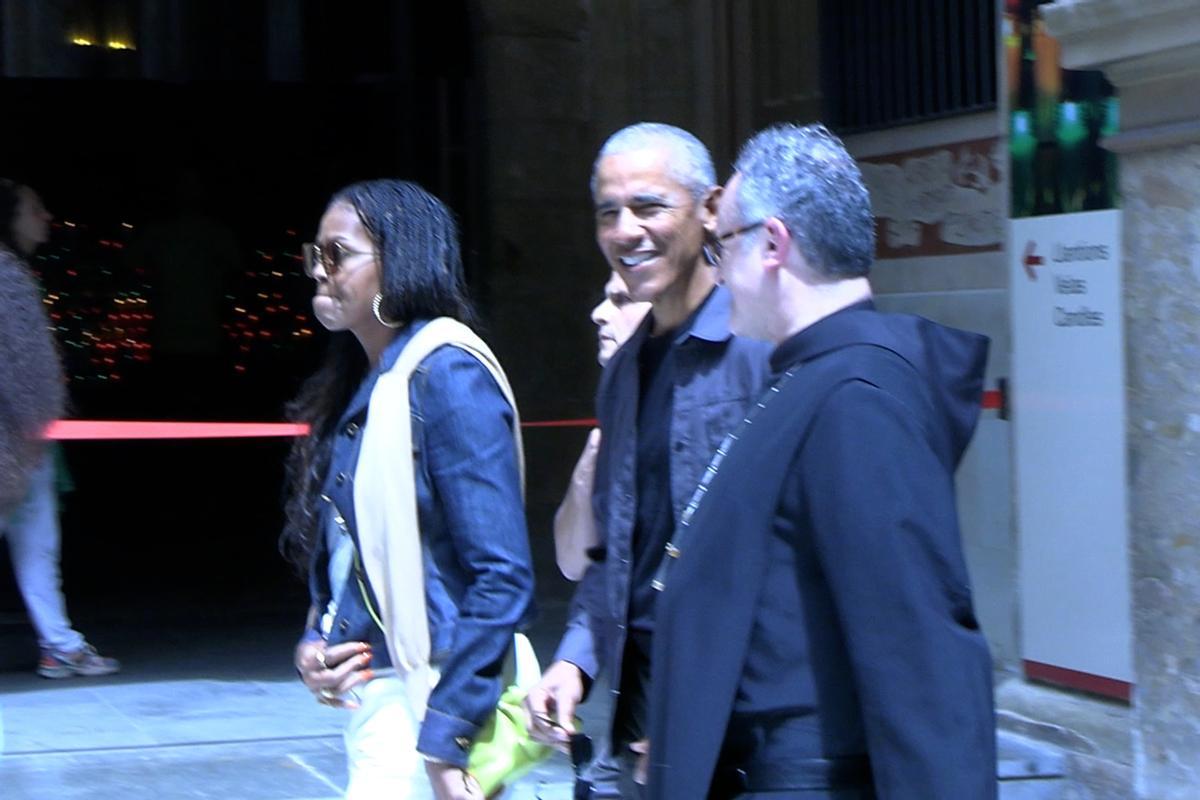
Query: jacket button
point(340, 479)
point(463, 742)
point(344, 625)
point(352, 430)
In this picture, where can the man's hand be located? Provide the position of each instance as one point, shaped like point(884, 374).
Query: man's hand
point(551, 704)
point(330, 672)
point(574, 524)
point(452, 783)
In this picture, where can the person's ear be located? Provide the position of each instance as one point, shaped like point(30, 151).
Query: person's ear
point(777, 244)
point(708, 204)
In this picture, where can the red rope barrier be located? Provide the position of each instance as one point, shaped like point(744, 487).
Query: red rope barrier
point(85, 429)
point(65, 430)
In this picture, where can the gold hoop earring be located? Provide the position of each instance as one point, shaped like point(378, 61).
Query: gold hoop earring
point(375, 310)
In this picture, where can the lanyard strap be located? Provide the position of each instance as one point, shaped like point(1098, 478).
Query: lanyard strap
point(673, 549)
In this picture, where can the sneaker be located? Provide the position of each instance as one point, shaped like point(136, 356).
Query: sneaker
point(85, 662)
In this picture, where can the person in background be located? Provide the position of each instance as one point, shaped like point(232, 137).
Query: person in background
point(616, 317)
point(34, 393)
point(405, 504)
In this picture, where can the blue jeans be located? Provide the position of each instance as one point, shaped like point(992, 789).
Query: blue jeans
point(33, 544)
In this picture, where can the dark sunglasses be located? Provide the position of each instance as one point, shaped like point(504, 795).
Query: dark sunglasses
point(330, 258)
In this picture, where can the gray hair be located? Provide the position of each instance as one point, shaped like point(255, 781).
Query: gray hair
point(688, 160)
point(805, 177)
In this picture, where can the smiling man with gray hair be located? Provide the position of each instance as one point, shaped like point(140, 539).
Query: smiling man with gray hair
point(665, 400)
point(819, 573)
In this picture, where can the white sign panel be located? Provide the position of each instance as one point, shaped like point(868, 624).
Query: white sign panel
point(1068, 404)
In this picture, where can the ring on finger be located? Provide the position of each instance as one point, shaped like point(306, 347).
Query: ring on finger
point(319, 655)
point(326, 694)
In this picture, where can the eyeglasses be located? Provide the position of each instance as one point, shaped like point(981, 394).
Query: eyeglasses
point(331, 258)
point(719, 240)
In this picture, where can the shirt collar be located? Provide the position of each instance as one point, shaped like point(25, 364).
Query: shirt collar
point(711, 320)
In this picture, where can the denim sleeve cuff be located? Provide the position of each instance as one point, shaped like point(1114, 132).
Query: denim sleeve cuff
point(446, 738)
point(579, 647)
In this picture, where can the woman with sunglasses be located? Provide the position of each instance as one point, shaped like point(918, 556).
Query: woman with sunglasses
point(405, 503)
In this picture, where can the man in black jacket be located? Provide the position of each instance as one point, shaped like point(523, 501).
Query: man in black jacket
point(818, 575)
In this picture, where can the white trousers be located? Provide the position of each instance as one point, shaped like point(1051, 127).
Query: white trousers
point(33, 545)
point(381, 745)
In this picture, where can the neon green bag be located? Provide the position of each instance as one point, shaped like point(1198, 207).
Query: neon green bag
point(504, 751)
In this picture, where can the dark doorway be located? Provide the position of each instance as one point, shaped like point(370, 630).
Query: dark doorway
point(238, 119)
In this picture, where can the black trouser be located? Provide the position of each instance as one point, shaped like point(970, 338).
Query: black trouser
point(769, 756)
point(629, 716)
point(599, 779)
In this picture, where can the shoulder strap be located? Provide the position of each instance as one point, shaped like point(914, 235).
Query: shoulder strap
point(385, 504)
point(446, 331)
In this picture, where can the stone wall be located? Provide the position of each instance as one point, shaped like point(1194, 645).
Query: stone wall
point(558, 77)
point(1162, 302)
point(1150, 50)
point(541, 272)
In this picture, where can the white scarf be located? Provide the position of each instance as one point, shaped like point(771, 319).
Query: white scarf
point(385, 502)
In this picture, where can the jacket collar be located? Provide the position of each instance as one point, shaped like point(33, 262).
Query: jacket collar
point(387, 360)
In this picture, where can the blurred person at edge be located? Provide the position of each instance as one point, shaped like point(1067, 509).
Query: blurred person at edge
point(616, 317)
point(33, 394)
point(417, 554)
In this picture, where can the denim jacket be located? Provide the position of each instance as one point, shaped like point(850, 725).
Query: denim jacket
point(478, 569)
point(716, 376)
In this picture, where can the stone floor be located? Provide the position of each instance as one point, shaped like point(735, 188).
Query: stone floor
point(197, 712)
point(207, 706)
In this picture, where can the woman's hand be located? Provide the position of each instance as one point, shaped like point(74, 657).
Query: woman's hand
point(330, 672)
point(452, 783)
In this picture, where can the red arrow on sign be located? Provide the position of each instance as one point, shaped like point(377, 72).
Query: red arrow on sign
point(1031, 260)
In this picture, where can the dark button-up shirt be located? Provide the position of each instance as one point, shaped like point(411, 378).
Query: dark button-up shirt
point(715, 376)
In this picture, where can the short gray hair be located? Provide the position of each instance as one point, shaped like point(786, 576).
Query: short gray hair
point(805, 177)
point(688, 160)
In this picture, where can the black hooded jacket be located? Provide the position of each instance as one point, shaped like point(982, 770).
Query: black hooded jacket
point(822, 583)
